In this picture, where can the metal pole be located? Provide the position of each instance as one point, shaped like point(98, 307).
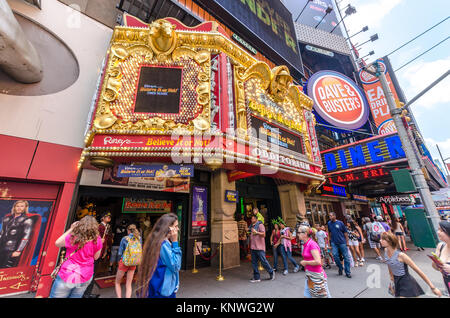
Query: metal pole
point(194, 270)
point(440, 154)
point(413, 161)
point(220, 277)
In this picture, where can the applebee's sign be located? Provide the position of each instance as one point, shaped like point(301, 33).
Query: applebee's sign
point(338, 100)
point(397, 200)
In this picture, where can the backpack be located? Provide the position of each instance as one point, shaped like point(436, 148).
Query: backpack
point(375, 232)
point(133, 252)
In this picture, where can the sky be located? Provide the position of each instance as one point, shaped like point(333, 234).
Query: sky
point(396, 22)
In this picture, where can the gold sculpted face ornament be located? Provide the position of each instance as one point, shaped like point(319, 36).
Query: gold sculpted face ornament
point(280, 83)
point(162, 37)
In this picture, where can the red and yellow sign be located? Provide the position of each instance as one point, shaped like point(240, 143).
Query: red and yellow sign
point(338, 100)
point(377, 100)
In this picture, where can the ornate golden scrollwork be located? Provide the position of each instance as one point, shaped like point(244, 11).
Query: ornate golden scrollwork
point(162, 37)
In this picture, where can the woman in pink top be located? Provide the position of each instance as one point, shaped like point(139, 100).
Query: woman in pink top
point(316, 277)
point(83, 246)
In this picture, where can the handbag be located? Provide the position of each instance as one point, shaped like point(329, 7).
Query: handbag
point(55, 272)
point(316, 284)
point(391, 288)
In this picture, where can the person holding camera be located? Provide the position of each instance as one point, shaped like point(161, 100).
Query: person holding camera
point(158, 275)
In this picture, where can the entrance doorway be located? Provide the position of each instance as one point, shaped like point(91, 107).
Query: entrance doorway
point(127, 206)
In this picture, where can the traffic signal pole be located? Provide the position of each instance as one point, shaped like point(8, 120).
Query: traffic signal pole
point(413, 161)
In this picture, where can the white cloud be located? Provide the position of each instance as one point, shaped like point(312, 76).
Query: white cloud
point(419, 75)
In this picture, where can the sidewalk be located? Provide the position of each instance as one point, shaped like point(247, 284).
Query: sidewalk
point(369, 281)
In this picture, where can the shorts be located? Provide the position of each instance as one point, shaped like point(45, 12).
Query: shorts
point(353, 242)
point(374, 244)
point(399, 233)
point(124, 268)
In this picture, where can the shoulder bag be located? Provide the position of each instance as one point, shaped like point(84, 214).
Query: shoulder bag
point(55, 272)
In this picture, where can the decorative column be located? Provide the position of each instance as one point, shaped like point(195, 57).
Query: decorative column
point(292, 203)
point(223, 225)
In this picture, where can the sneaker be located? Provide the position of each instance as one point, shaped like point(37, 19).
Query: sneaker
point(348, 275)
point(340, 272)
point(272, 276)
point(285, 272)
point(361, 263)
point(363, 260)
point(296, 269)
point(379, 258)
point(356, 264)
point(275, 269)
point(255, 280)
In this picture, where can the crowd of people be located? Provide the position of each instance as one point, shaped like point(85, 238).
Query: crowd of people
point(342, 244)
point(159, 260)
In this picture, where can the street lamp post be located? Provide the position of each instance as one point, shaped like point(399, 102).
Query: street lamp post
point(413, 161)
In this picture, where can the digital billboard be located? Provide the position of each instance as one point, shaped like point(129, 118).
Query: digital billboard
point(313, 14)
point(266, 24)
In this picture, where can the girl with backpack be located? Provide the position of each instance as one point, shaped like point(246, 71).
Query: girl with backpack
point(158, 276)
point(130, 254)
point(371, 229)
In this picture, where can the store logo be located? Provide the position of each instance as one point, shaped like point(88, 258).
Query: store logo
point(387, 127)
point(367, 78)
point(338, 100)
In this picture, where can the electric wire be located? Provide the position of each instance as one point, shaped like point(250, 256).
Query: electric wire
point(422, 53)
point(418, 36)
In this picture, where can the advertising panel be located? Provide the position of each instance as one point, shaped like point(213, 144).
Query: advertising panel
point(158, 171)
point(23, 225)
point(131, 205)
point(338, 100)
point(266, 21)
point(313, 13)
point(199, 210)
point(377, 101)
point(363, 153)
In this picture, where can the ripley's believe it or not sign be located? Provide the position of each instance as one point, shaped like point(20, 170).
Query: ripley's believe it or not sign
point(338, 100)
point(170, 93)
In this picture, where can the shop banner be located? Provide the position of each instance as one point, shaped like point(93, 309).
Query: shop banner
point(158, 171)
point(358, 197)
point(405, 199)
point(199, 210)
point(364, 153)
point(236, 175)
point(338, 100)
point(165, 184)
point(377, 100)
point(231, 196)
point(23, 226)
point(333, 190)
point(131, 205)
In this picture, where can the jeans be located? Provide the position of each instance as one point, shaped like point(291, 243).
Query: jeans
point(344, 251)
point(260, 256)
point(287, 254)
point(307, 294)
point(61, 289)
point(277, 252)
point(243, 248)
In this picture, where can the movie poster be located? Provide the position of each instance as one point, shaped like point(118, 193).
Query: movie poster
point(23, 225)
point(199, 210)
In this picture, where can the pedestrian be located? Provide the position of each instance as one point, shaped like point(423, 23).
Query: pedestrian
point(443, 252)
point(286, 247)
point(339, 243)
point(104, 229)
point(371, 236)
point(404, 284)
point(275, 241)
point(130, 254)
point(242, 233)
point(399, 231)
point(258, 215)
point(158, 275)
point(386, 227)
point(258, 249)
point(322, 240)
point(119, 232)
point(353, 236)
point(316, 279)
point(83, 246)
point(361, 242)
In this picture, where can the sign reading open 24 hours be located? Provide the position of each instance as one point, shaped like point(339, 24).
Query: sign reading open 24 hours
point(338, 100)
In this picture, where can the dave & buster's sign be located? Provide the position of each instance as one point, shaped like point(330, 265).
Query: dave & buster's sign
point(338, 100)
point(382, 149)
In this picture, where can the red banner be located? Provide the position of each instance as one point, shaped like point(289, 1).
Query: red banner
point(377, 100)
